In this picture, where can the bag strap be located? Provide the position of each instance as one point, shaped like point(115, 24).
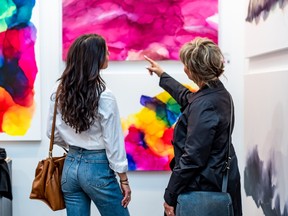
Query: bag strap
point(53, 125)
point(225, 176)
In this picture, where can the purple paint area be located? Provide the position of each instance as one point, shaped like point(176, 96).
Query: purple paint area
point(19, 69)
point(135, 28)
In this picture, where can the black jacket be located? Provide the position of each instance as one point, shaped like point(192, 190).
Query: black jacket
point(201, 137)
point(5, 181)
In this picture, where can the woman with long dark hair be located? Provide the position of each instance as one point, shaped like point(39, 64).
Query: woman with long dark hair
point(88, 124)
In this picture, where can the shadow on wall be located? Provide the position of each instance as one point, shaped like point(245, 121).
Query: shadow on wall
point(260, 182)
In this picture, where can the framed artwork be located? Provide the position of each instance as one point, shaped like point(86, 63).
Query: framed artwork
point(266, 26)
point(135, 28)
point(266, 135)
point(148, 117)
point(19, 77)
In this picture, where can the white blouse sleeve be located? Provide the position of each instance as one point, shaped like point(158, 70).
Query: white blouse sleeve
point(112, 132)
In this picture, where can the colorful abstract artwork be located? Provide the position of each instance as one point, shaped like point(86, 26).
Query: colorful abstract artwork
point(18, 69)
point(148, 133)
point(135, 28)
point(148, 118)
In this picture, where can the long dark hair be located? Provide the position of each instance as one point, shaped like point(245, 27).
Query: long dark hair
point(80, 84)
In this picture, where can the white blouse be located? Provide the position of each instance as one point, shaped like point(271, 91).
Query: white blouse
point(106, 133)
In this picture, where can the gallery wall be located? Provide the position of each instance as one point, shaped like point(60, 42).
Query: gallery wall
point(147, 187)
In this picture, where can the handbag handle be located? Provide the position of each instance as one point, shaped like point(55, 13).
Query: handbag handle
point(225, 176)
point(53, 125)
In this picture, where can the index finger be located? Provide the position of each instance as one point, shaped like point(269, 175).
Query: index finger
point(149, 59)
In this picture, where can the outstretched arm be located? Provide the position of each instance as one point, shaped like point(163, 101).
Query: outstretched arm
point(179, 92)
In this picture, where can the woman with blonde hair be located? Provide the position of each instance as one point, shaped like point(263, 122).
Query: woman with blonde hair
point(201, 134)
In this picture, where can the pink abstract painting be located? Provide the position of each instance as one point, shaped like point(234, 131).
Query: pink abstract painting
point(134, 28)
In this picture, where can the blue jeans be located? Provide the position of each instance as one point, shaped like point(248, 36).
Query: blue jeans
point(87, 176)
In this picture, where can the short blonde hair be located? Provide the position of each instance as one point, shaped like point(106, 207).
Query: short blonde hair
point(203, 58)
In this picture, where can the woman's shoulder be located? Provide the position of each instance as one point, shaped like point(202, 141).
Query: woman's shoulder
point(107, 94)
point(107, 101)
point(205, 100)
point(53, 91)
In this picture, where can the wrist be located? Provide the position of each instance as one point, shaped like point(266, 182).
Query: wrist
point(160, 73)
point(124, 181)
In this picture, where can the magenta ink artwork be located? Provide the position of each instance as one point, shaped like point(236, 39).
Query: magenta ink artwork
point(135, 28)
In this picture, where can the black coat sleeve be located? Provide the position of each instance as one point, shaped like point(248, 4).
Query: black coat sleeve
point(201, 127)
point(175, 89)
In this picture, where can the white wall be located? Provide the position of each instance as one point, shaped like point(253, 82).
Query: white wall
point(147, 187)
point(232, 16)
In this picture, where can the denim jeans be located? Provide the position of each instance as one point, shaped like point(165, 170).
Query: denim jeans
point(87, 176)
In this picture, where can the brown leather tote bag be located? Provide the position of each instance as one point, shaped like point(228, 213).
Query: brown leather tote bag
point(46, 185)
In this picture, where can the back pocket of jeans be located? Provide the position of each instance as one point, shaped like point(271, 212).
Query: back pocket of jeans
point(67, 165)
point(98, 173)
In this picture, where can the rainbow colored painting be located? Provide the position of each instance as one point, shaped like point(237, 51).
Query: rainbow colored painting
point(18, 68)
point(134, 28)
point(148, 133)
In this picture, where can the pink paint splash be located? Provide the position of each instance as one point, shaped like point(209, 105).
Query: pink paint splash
point(134, 28)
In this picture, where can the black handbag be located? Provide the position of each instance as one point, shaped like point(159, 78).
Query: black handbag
point(209, 203)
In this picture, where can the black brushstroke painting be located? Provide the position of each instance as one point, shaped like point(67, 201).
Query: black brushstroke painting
point(258, 184)
point(258, 8)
